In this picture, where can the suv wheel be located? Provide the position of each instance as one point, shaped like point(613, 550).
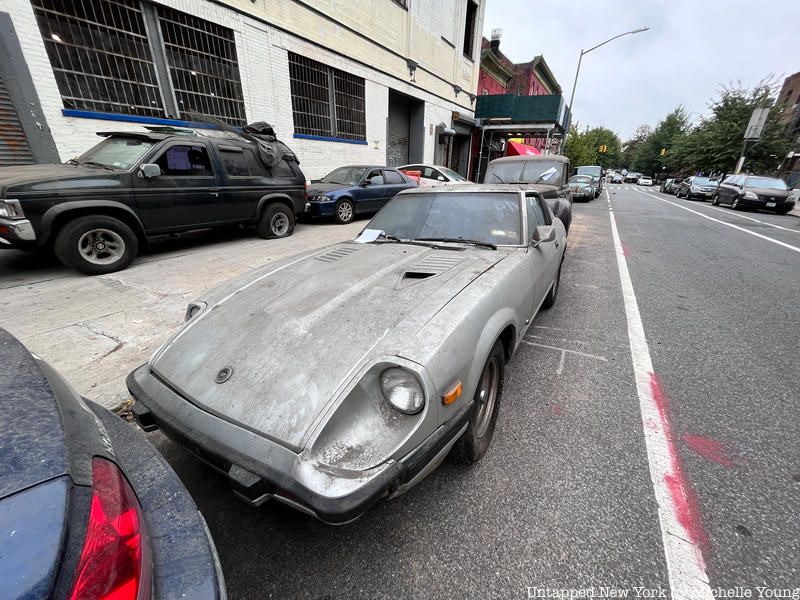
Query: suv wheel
point(96, 245)
point(276, 221)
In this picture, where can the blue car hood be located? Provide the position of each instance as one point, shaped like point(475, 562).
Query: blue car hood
point(317, 189)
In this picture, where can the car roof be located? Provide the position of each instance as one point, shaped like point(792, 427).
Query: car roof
point(364, 167)
point(532, 157)
point(158, 134)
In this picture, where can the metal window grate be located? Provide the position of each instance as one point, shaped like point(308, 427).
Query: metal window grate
point(326, 101)
point(100, 55)
point(203, 66)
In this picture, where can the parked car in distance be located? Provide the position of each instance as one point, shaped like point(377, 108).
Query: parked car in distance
point(582, 187)
point(96, 210)
point(752, 191)
point(356, 189)
point(545, 173)
point(596, 173)
point(383, 353)
point(88, 508)
point(631, 177)
point(433, 175)
point(696, 187)
point(617, 177)
point(668, 186)
point(644, 180)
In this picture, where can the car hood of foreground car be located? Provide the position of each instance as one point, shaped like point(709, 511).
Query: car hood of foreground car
point(274, 348)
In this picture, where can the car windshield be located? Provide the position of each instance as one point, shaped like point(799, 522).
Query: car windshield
point(766, 183)
point(703, 181)
point(117, 152)
point(452, 174)
point(493, 217)
point(593, 171)
point(345, 176)
point(580, 179)
point(530, 171)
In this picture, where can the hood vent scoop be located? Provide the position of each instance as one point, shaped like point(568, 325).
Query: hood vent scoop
point(338, 253)
point(432, 265)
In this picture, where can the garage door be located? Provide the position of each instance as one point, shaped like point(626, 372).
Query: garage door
point(397, 133)
point(14, 148)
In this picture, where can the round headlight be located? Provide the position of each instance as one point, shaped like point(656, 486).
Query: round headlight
point(402, 389)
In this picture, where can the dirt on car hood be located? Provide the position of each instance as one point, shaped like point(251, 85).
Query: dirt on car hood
point(273, 352)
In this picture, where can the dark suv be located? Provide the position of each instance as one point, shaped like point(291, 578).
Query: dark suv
point(96, 210)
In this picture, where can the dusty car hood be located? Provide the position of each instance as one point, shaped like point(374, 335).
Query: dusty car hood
point(56, 176)
point(293, 336)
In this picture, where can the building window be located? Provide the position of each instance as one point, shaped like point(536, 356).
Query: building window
point(202, 65)
point(106, 59)
point(469, 29)
point(326, 101)
point(100, 55)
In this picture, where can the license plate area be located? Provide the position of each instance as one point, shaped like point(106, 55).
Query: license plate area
point(770, 205)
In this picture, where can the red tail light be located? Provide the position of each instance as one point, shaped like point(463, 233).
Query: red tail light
point(115, 561)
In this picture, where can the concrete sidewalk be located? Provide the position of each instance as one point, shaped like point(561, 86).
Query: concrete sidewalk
point(95, 330)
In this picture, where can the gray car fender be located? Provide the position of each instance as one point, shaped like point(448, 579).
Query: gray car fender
point(491, 332)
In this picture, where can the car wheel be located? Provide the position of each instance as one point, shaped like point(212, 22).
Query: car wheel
point(96, 245)
point(472, 445)
point(715, 200)
point(345, 212)
point(736, 205)
point(277, 221)
point(550, 299)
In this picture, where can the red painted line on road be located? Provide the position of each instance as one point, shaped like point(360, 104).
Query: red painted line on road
point(687, 507)
point(556, 410)
point(708, 448)
point(625, 250)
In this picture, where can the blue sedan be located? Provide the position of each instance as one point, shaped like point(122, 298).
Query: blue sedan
point(356, 189)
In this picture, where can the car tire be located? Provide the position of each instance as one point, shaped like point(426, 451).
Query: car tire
point(277, 221)
point(736, 205)
point(715, 200)
point(96, 245)
point(345, 211)
point(550, 299)
point(474, 442)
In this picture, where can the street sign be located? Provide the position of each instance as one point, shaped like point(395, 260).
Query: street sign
point(756, 124)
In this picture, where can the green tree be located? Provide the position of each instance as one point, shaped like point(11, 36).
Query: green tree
point(647, 156)
point(631, 147)
point(579, 147)
point(602, 136)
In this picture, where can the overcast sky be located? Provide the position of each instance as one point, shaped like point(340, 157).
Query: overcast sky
point(692, 47)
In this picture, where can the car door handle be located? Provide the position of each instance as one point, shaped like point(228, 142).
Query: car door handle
point(214, 191)
point(556, 243)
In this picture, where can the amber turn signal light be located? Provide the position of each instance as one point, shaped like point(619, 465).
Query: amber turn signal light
point(452, 394)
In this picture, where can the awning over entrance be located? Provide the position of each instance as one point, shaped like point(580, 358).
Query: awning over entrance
point(520, 149)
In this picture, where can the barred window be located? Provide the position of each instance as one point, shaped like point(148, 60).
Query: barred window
point(107, 56)
point(203, 66)
point(326, 101)
point(100, 55)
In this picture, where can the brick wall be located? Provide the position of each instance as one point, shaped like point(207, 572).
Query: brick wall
point(263, 63)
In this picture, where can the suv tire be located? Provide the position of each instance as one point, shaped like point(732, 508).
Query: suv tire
point(277, 221)
point(96, 245)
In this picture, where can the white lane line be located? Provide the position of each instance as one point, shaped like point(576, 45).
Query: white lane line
point(680, 527)
point(758, 235)
point(734, 214)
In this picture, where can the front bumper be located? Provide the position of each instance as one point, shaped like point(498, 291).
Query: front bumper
point(16, 232)
point(261, 469)
point(320, 208)
point(700, 194)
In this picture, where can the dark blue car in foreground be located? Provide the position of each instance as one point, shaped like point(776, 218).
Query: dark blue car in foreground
point(356, 189)
point(88, 508)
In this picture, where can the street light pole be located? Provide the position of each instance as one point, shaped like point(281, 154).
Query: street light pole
point(578, 70)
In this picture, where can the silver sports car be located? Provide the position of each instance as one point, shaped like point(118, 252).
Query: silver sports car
point(333, 379)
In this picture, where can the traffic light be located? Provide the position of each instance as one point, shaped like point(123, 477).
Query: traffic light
point(663, 152)
point(603, 148)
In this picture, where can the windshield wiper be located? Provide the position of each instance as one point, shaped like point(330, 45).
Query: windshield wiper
point(93, 163)
point(459, 241)
point(498, 177)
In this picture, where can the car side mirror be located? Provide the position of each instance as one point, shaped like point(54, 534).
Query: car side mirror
point(440, 178)
point(543, 234)
point(149, 170)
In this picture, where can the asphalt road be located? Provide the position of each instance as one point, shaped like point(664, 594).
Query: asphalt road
point(564, 499)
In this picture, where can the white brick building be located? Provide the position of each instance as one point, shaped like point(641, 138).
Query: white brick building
point(362, 81)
